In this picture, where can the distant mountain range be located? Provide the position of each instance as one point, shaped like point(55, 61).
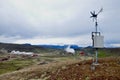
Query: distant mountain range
point(34, 48)
point(21, 47)
point(59, 46)
point(48, 48)
point(29, 47)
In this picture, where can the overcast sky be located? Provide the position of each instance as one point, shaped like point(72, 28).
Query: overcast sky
point(58, 21)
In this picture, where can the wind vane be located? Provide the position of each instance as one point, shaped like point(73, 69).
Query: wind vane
point(94, 15)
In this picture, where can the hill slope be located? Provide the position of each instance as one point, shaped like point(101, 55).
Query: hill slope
point(20, 47)
point(109, 69)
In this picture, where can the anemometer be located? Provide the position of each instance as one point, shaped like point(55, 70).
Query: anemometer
point(97, 38)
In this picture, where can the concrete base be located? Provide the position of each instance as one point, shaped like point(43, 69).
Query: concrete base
point(95, 64)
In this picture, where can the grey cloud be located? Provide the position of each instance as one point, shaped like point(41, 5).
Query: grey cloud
point(68, 19)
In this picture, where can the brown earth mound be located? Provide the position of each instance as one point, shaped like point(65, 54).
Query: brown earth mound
point(108, 69)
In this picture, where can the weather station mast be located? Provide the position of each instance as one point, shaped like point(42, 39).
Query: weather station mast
point(97, 38)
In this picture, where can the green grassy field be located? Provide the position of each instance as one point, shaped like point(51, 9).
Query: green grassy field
point(21, 63)
point(13, 65)
point(103, 53)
